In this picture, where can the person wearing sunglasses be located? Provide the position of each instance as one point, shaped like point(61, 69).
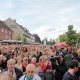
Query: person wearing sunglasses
point(30, 73)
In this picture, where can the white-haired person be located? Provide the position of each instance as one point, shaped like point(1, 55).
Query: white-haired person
point(30, 73)
point(33, 61)
point(15, 72)
point(6, 76)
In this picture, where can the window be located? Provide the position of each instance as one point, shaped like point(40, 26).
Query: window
point(6, 31)
point(13, 26)
point(1, 36)
point(9, 32)
point(6, 37)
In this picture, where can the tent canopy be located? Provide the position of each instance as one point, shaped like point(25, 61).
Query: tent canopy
point(61, 44)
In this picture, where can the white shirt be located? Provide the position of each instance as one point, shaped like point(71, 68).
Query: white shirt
point(35, 77)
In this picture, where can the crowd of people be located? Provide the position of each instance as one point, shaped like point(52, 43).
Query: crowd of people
point(39, 62)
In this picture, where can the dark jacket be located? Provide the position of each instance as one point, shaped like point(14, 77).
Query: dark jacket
point(60, 70)
point(17, 71)
point(68, 76)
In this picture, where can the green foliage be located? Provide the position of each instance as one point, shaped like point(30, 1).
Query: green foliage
point(18, 37)
point(78, 41)
point(78, 35)
point(63, 38)
point(24, 40)
point(71, 36)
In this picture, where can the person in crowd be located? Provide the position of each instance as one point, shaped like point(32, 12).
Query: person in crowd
point(1, 58)
point(70, 74)
point(68, 58)
point(6, 76)
point(27, 55)
point(78, 52)
point(37, 55)
point(24, 64)
point(30, 73)
point(16, 73)
point(59, 66)
point(39, 71)
point(46, 64)
point(33, 61)
point(4, 62)
point(19, 62)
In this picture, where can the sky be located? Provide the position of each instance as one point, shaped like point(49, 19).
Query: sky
point(47, 18)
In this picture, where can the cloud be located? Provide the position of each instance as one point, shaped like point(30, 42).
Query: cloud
point(34, 14)
point(43, 29)
point(7, 4)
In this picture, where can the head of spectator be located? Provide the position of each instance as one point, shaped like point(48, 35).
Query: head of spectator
point(33, 60)
point(15, 57)
point(19, 59)
point(26, 55)
point(25, 61)
point(78, 51)
point(11, 65)
point(61, 60)
point(5, 58)
point(73, 67)
point(45, 58)
point(6, 75)
point(74, 55)
point(1, 57)
point(30, 70)
point(41, 59)
point(38, 68)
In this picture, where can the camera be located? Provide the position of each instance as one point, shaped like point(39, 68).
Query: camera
point(54, 58)
point(53, 61)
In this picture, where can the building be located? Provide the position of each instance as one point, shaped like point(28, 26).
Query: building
point(18, 30)
point(32, 40)
point(27, 35)
point(5, 32)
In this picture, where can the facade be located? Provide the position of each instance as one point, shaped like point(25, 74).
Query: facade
point(5, 32)
point(27, 35)
point(18, 30)
point(32, 39)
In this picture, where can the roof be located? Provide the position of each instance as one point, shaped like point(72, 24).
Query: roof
point(24, 29)
point(4, 25)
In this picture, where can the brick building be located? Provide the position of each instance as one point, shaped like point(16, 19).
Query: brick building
point(5, 32)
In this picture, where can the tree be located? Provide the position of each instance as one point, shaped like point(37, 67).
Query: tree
point(37, 38)
point(71, 36)
point(78, 40)
point(53, 42)
point(18, 37)
point(63, 38)
point(24, 40)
